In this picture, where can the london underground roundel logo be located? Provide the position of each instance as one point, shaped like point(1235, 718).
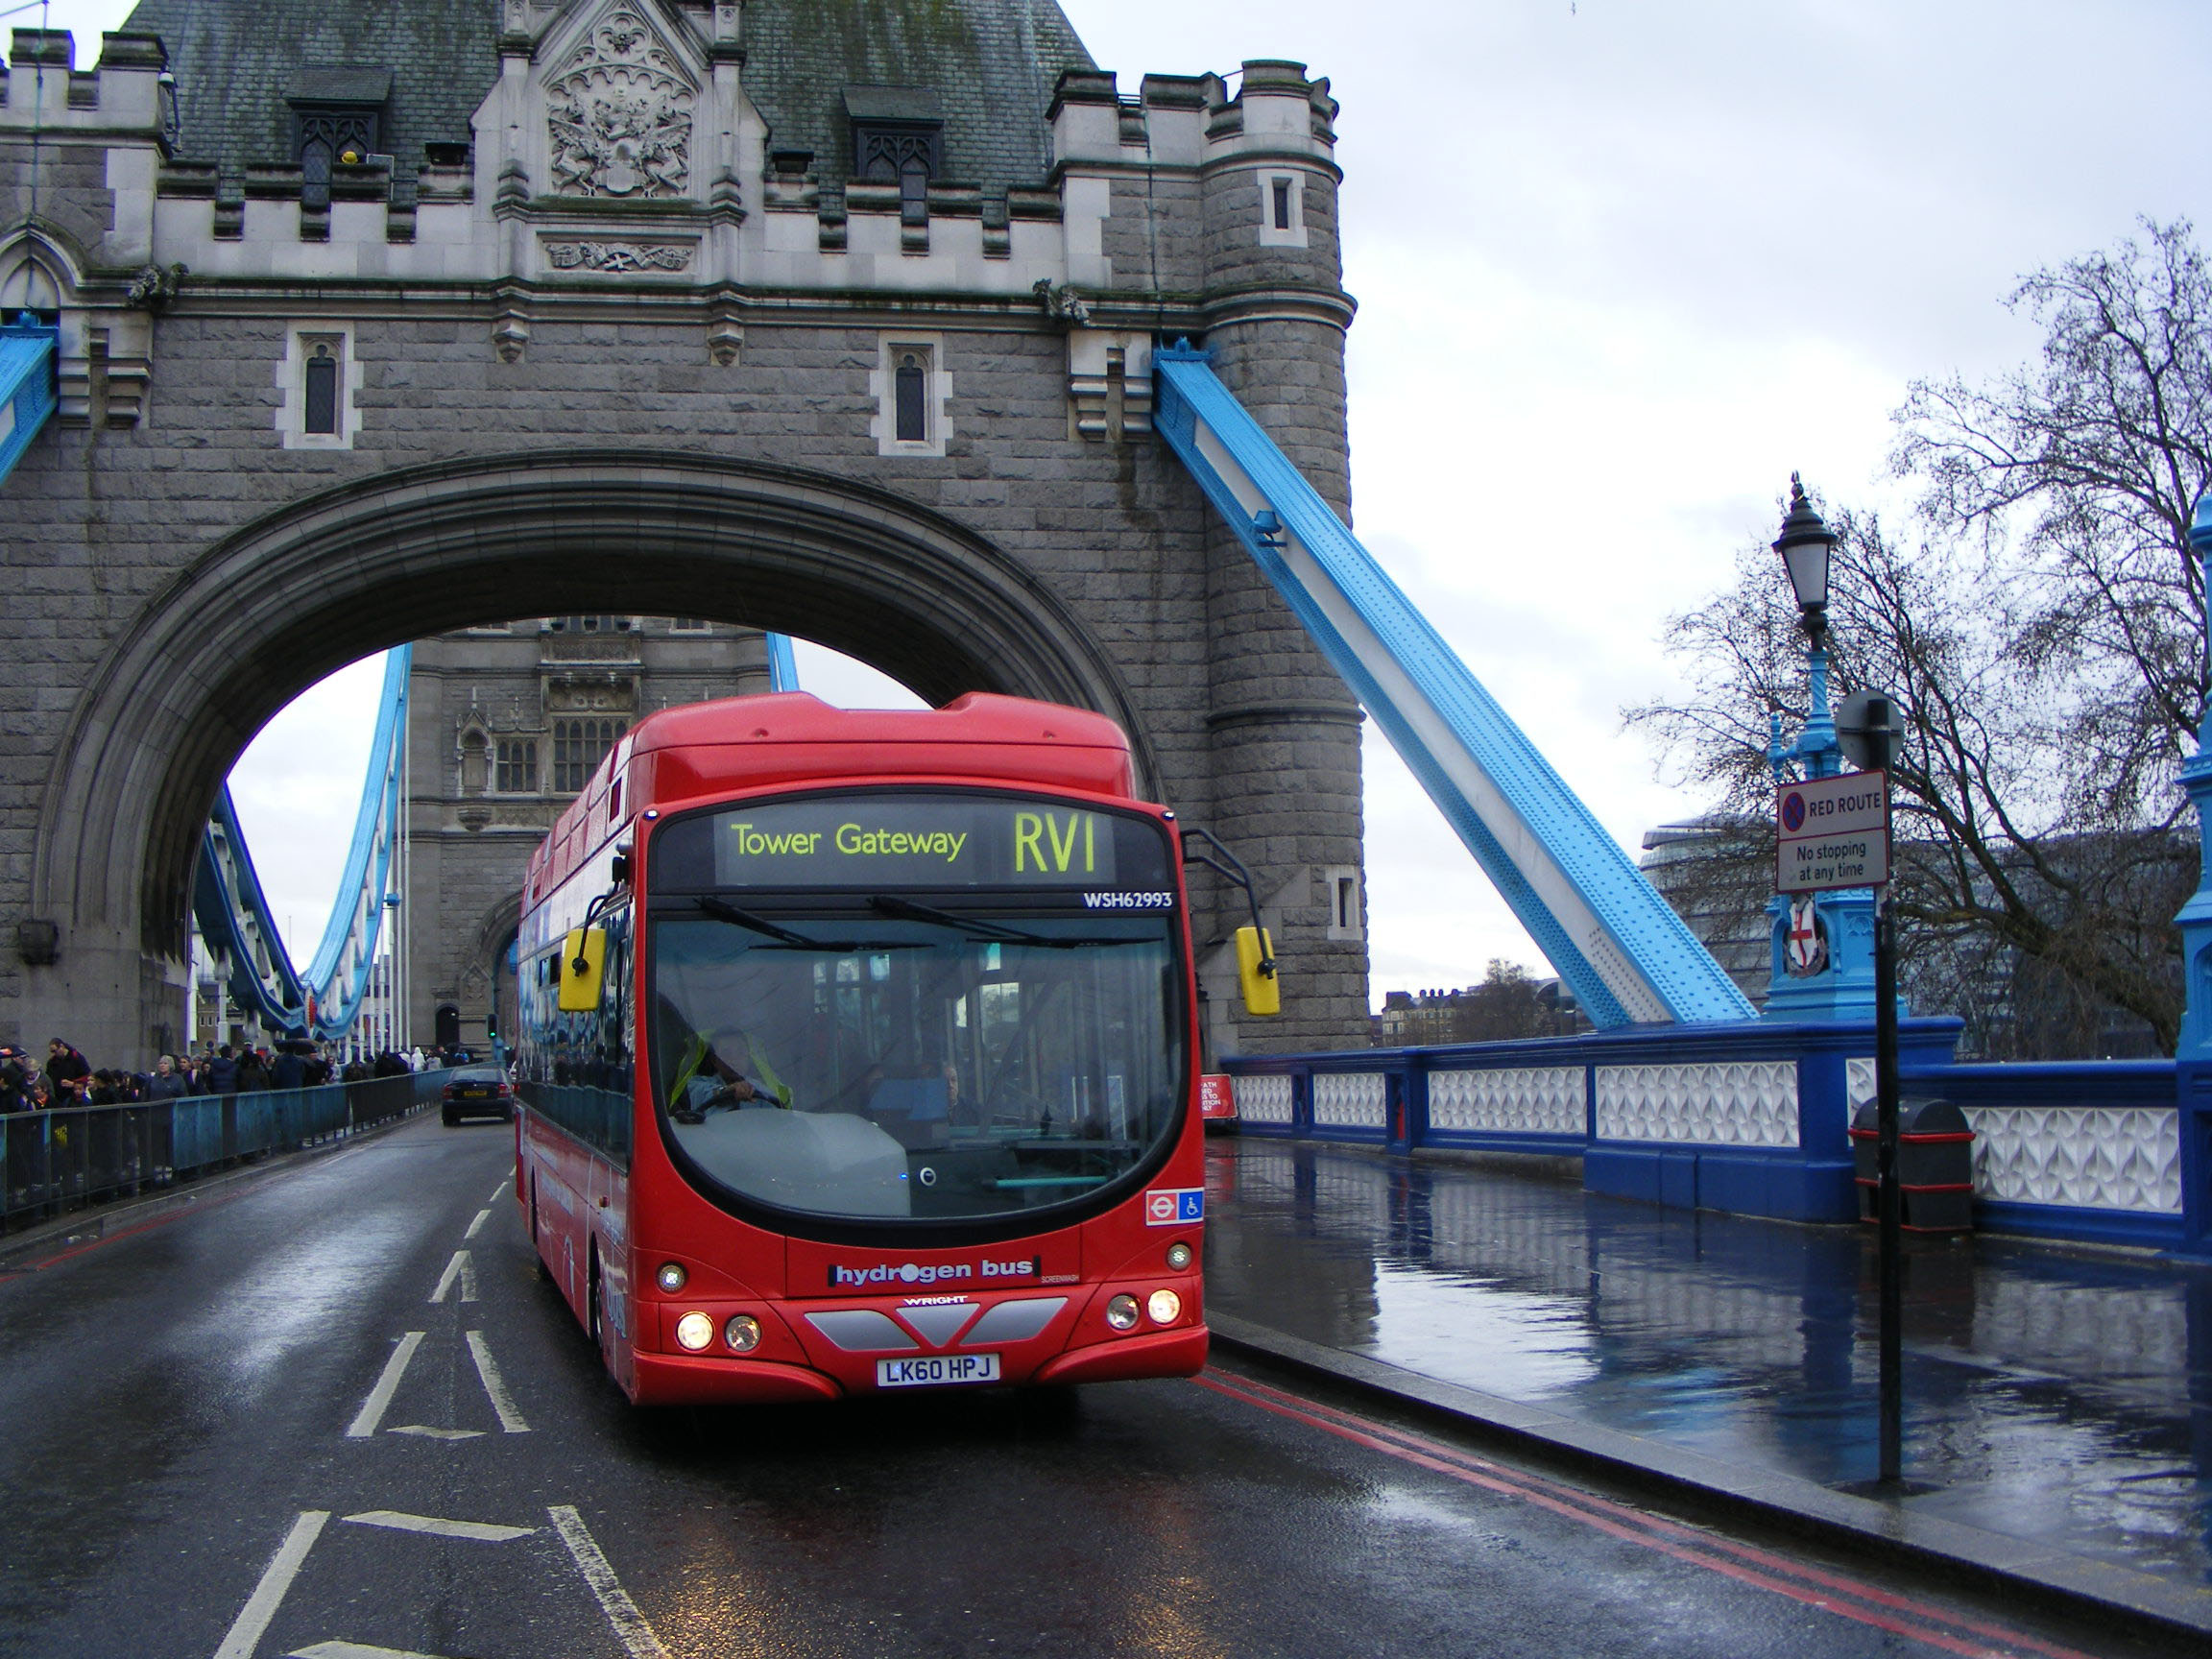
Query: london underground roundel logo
point(1793, 811)
point(1163, 1206)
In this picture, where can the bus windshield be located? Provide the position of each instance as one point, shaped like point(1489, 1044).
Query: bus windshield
point(879, 1057)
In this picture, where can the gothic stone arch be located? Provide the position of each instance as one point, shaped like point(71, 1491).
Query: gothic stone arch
point(269, 611)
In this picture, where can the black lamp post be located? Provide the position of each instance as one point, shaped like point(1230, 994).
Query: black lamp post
point(1806, 544)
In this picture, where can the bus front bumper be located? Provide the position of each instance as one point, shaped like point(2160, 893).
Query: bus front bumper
point(678, 1380)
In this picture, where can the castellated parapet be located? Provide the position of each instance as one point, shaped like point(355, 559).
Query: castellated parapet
point(647, 241)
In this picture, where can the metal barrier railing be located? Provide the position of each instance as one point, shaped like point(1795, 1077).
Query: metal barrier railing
point(67, 1158)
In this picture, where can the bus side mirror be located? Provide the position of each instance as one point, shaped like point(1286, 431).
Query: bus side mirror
point(582, 963)
point(1256, 973)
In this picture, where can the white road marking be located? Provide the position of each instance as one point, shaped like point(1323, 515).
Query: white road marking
point(355, 1650)
point(636, 1636)
point(497, 1190)
point(477, 1226)
point(495, 1385)
point(461, 1267)
point(430, 1433)
point(373, 1408)
point(439, 1528)
point(252, 1621)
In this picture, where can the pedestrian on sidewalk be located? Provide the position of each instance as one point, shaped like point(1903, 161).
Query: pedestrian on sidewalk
point(67, 1072)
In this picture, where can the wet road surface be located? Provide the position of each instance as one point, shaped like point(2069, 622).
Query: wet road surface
point(335, 1414)
point(2058, 1395)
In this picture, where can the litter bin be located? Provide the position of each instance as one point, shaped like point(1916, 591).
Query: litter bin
point(1934, 1165)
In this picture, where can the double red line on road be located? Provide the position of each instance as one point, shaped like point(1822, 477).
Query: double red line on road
point(1830, 1591)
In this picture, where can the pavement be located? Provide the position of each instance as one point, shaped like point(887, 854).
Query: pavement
point(2058, 1447)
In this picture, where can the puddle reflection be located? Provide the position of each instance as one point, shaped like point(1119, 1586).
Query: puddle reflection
point(2060, 1396)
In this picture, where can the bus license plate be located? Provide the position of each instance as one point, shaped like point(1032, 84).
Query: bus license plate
point(937, 1368)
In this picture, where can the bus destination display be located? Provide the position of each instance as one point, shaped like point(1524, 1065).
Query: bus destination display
point(886, 842)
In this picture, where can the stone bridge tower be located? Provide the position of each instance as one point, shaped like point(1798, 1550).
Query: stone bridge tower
point(383, 322)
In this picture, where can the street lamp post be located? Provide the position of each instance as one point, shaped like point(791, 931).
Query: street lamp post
point(2192, 1054)
point(1822, 948)
point(1806, 544)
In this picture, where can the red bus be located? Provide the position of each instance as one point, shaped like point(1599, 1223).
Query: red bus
point(858, 1052)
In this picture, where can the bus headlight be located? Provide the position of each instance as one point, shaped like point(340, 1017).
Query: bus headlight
point(1164, 1307)
point(695, 1331)
point(1178, 1256)
point(742, 1333)
point(1122, 1312)
point(672, 1278)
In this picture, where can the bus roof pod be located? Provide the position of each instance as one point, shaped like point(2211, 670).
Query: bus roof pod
point(790, 738)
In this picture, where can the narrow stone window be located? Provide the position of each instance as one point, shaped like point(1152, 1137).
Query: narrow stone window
point(912, 396)
point(472, 763)
point(318, 378)
point(1346, 920)
point(322, 411)
point(911, 393)
point(1282, 210)
point(914, 193)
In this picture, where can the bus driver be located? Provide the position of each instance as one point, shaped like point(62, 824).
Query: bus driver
point(706, 1082)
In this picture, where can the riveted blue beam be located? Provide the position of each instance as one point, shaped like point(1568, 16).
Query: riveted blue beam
point(28, 350)
point(782, 665)
point(338, 976)
point(234, 915)
point(1605, 931)
point(233, 918)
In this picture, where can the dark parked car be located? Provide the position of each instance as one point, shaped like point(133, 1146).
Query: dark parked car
point(479, 1092)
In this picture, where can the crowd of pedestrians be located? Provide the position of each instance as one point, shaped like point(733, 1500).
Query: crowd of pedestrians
point(66, 1078)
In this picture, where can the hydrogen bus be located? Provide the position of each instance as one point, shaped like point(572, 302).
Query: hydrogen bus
point(858, 1052)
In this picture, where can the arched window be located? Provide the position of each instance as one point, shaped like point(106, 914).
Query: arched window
point(912, 378)
point(472, 755)
point(315, 173)
point(322, 415)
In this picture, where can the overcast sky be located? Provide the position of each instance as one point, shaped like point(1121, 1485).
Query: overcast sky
point(1622, 266)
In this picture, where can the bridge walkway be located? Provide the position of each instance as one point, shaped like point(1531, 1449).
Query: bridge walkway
point(2059, 1398)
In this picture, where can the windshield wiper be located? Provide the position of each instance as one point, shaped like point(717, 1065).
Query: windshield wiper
point(887, 904)
point(737, 918)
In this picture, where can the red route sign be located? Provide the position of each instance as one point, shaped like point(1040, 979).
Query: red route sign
point(1831, 833)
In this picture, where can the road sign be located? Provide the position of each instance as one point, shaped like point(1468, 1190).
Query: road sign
point(1833, 832)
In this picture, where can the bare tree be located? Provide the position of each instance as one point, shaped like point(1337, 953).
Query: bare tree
point(2044, 635)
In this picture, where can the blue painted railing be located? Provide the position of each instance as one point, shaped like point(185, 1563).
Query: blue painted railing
point(1752, 1118)
point(61, 1159)
point(1601, 924)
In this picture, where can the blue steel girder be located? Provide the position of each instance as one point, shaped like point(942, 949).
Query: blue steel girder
point(1606, 931)
point(782, 665)
point(28, 350)
point(235, 918)
point(338, 976)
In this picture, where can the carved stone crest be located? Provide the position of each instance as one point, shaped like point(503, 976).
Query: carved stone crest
point(614, 258)
point(619, 115)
